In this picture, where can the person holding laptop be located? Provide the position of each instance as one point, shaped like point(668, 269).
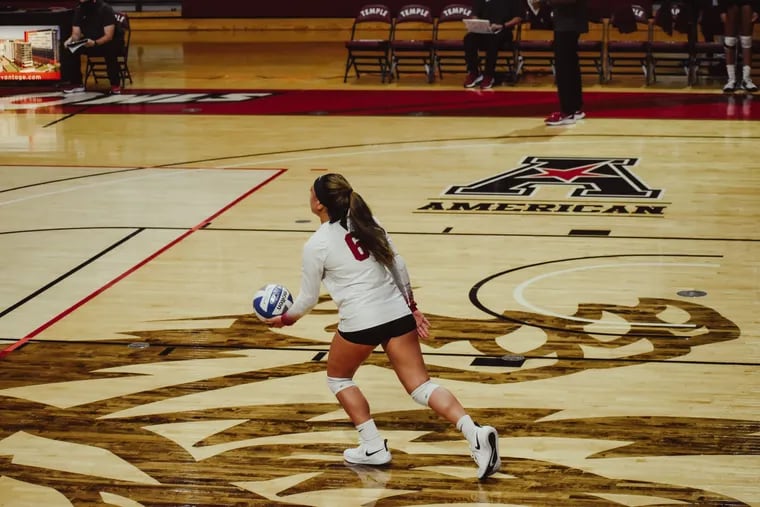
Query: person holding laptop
point(503, 16)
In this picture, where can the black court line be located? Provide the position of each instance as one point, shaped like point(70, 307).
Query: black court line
point(446, 232)
point(68, 273)
point(443, 140)
point(496, 235)
point(66, 117)
point(83, 176)
point(321, 353)
point(588, 232)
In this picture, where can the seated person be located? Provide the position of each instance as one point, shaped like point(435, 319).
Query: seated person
point(503, 15)
point(94, 22)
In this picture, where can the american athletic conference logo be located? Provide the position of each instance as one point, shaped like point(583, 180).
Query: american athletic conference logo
point(605, 186)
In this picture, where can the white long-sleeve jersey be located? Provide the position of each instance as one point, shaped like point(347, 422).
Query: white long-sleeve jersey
point(366, 293)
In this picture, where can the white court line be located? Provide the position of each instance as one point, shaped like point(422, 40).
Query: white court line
point(400, 149)
point(520, 289)
point(91, 185)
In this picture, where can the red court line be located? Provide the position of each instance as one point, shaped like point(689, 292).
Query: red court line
point(4, 352)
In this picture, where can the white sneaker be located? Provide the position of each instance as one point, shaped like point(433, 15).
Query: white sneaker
point(748, 85)
point(364, 456)
point(74, 89)
point(485, 452)
point(730, 86)
point(579, 115)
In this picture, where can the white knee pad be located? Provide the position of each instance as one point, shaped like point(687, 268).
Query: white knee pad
point(729, 41)
point(336, 385)
point(746, 41)
point(422, 394)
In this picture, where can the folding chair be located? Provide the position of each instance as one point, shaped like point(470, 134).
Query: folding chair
point(534, 43)
point(369, 46)
point(96, 65)
point(628, 46)
point(709, 53)
point(448, 44)
point(672, 39)
point(591, 46)
point(448, 38)
point(412, 42)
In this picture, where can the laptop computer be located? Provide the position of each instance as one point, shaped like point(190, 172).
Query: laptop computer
point(478, 25)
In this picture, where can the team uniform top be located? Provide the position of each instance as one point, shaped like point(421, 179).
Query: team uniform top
point(366, 293)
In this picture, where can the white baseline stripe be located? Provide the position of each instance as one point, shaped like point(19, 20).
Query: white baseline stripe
point(426, 147)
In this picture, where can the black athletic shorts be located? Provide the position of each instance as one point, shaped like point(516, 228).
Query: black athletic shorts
point(378, 334)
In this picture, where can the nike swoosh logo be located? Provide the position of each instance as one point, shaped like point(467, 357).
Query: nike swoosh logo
point(477, 444)
point(372, 453)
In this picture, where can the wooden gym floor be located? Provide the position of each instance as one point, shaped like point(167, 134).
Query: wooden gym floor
point(620, 258)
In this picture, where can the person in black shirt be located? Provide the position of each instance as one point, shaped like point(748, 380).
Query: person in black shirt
point(503, 15)
point(570, 19)
point(94, 22)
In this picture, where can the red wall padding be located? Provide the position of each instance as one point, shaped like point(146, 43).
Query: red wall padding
point(294, 8)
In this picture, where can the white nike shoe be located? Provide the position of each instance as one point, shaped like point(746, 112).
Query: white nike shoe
point(363, 455)
point(485, 451)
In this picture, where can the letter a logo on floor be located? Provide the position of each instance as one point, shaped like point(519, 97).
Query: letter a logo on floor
point(584, 177)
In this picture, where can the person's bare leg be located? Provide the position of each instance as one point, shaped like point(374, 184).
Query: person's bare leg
point(729, 29)
point(745, 31)
point(406, 358)
point(343, 360)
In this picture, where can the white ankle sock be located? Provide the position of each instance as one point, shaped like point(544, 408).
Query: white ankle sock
point(467, 426)
point(369, 434)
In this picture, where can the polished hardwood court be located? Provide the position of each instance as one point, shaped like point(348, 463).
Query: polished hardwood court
point(593, 290)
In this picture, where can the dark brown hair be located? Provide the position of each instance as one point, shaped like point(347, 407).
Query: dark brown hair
point(342, 203)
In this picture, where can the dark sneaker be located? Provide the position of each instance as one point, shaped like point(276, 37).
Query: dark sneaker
point(555, 119)
point(730, 87)
point(485, 451)
point(116, 90)
point(473, 79)
point(486, 83)
point(74, 89)
point(748, 85)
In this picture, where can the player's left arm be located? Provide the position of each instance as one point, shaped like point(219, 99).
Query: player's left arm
point(401, 277)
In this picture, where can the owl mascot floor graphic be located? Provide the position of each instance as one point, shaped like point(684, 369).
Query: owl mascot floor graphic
point(223, 438)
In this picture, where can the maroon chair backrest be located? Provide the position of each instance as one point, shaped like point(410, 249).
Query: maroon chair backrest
point(122, 19)
point(642, 11)
point(674, 16)
point(414, 13)
point(374, 13)
point(598, 10)
point(629, 13)
point(455, 12)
